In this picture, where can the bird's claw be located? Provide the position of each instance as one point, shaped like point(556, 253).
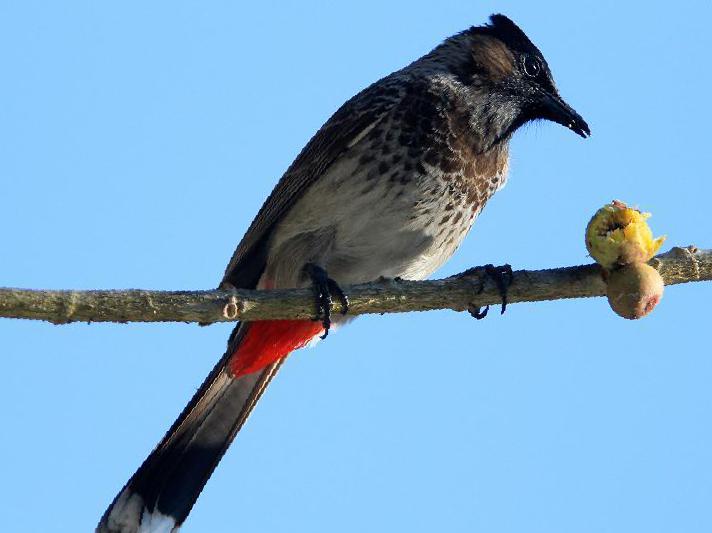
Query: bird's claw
point(325, 289)
point(477, 312)
point(502, 277)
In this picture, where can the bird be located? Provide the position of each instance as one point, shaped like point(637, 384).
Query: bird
point(388, 187)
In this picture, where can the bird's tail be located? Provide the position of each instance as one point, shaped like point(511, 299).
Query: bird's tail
point(161, 493)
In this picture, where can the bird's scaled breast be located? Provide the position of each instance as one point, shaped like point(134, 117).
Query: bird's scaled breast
point(399, 201)
point(370, 219)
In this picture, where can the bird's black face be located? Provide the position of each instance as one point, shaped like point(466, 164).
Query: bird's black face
point(534, 87)
point(509, 66)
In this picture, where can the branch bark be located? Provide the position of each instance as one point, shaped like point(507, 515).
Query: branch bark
point(679, 265)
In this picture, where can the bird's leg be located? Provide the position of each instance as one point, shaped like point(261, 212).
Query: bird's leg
point(502, 277)
point(324, 288)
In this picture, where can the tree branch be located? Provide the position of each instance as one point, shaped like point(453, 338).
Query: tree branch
point(679, 265)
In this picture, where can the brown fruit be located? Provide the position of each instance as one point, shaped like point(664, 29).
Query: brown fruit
point(634, 290)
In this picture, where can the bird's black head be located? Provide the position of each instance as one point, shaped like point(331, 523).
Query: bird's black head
point(510, 79)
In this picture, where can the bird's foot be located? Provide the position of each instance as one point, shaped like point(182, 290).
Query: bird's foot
point(502, 277)
point(325, 289)
point(386, 281)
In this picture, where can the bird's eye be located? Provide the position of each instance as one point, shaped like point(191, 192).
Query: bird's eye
point(531, 66)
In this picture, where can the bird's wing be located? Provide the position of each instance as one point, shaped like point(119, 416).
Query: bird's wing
point(165, 487)
point(352, 122)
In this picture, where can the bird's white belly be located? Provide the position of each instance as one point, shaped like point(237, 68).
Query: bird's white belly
point(374, 228)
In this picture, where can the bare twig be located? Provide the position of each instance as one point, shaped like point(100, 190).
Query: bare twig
point(679, 265)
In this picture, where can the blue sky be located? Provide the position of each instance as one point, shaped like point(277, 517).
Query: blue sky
point(137, 142)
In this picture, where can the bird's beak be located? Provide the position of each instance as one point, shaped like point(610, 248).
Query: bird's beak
point(552, 107)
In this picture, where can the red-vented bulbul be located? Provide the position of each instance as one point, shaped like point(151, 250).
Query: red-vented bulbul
point(389, 186)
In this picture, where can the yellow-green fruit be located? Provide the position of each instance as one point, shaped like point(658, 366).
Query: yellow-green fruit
point(619, 235)
point(634, 290)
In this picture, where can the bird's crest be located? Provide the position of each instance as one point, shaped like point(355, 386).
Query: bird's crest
point(502, 28)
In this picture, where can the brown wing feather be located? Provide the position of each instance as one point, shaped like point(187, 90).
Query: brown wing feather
point(328, 144)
